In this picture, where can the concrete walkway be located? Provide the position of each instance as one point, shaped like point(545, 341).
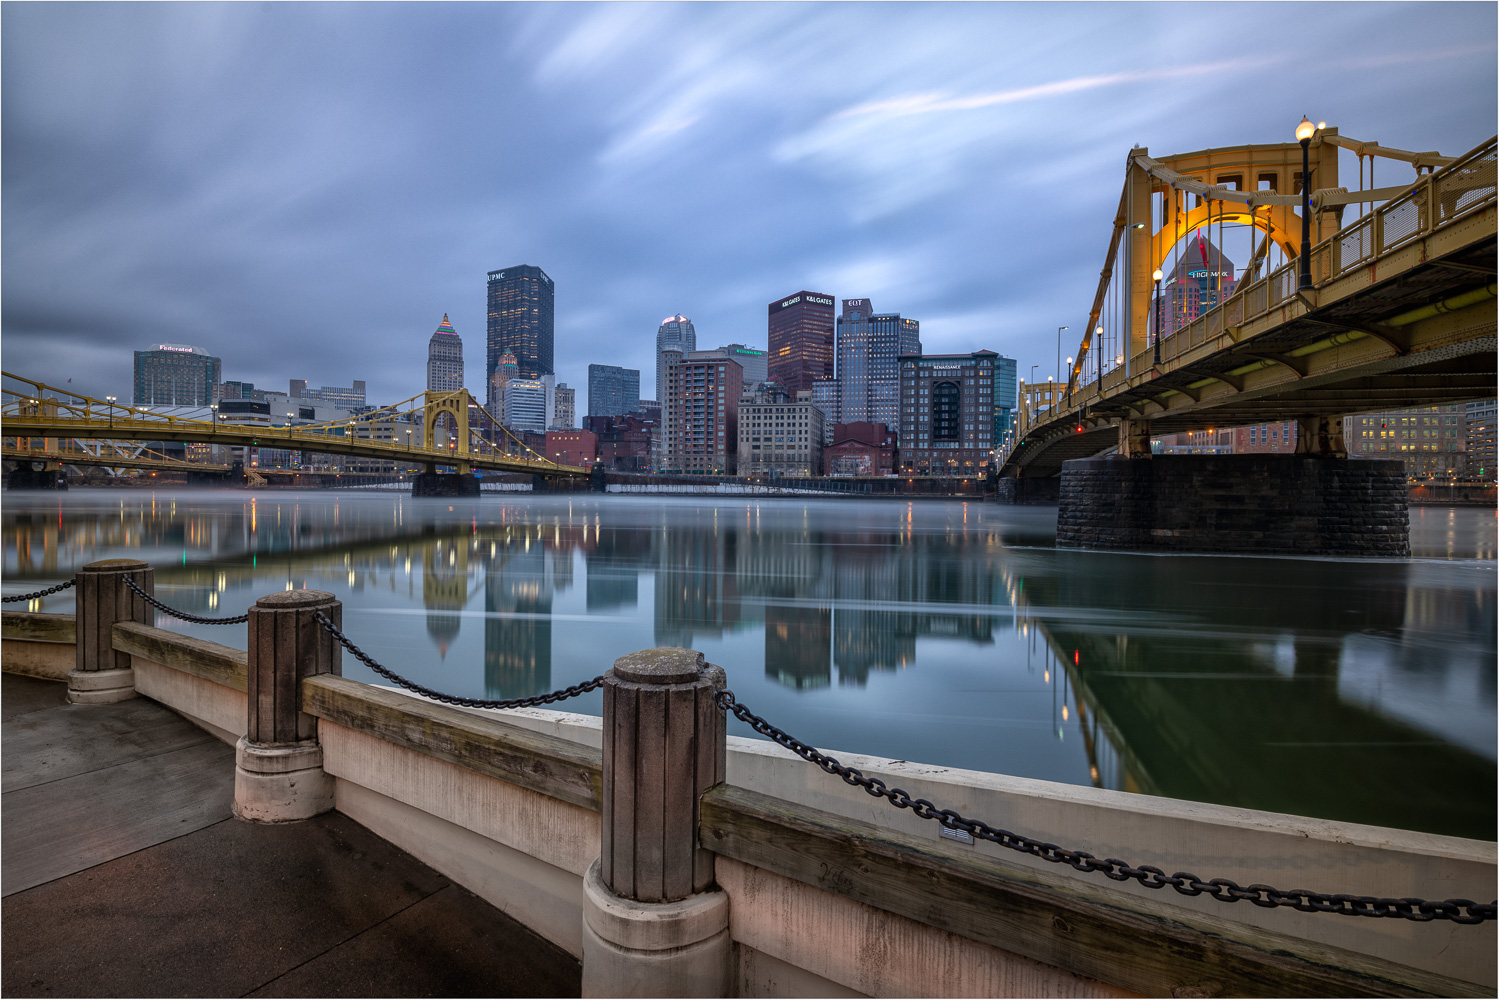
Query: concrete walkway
point(124, 874)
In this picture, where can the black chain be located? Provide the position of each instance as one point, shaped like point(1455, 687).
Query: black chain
point(369, 661)
point(195, 619)
point(1460, 911)
point(40, 593)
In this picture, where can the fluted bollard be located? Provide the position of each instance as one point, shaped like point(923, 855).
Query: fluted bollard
point(101, 675)
point(653, 922)
point(279, 774)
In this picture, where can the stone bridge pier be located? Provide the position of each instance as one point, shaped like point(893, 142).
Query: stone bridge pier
point(1314, 502)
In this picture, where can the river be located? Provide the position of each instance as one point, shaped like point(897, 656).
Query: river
point(944, 632)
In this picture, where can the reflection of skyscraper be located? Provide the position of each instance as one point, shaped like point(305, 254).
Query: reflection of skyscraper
point(799, 646)
point(444, 588)
point(614, 565)
point(696, 591)
point(518, 631)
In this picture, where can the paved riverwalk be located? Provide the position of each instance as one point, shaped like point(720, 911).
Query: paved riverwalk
point(124, 874)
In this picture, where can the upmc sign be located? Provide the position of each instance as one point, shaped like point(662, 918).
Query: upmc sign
point(808, 297)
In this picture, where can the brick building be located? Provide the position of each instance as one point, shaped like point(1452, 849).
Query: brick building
point(860, 449)
point(572, 447)
point(947, 413)
point(624, 441)
point(702, 414)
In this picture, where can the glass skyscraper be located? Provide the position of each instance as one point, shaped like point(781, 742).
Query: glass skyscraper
point(869, 346)
point(800, 340)
point(175, 375)
point(676, 333)
point(520, 305)
point(612, 391)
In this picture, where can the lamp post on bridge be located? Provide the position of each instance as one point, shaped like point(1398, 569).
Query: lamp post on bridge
point(111, 410)
point(1069, 379)
point(1304, 132)
point(1059, 350)
point(1156, 277)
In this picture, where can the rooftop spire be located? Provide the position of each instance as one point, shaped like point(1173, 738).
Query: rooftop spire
point(446, 327)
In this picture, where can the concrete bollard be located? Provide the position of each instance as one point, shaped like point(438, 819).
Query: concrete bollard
point(278, 774)
point(653, 922)
point(101, 675)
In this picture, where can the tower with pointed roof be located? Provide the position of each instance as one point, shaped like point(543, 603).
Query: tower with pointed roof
point(445, 359)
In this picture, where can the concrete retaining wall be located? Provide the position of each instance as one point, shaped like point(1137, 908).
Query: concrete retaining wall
point(798, 933)
point(1261, 504)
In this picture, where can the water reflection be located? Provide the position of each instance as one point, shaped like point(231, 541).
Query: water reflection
point(944, 632)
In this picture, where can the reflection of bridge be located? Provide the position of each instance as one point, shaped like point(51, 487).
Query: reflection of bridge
point(145, 461)
point(1204, 715)
point(42, 411)
point(1400, 312)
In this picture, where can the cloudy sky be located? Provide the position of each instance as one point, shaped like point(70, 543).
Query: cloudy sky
point(305, 189)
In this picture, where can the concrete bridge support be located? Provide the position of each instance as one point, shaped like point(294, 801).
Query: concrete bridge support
point(654, 922)
point(24, 477)
point(278, 774)
point(443, 484)
point(1252, 504)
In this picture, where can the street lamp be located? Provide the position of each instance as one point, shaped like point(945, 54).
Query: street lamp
point(1304, 132)
point(1097, 357)
point(111, 409)
point(1069, 378)
point(1156, 277)
point(1059, 349)
point(214, 415)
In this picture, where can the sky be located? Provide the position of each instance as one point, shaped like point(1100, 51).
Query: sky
point(304, 190)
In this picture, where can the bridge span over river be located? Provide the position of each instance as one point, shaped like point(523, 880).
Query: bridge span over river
point(1393, 309)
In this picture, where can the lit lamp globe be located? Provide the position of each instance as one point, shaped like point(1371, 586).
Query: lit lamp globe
point(1305, 130)
point(1156, 275)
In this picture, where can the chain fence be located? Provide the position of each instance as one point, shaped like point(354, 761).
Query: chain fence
point(449, 699)
point(1460, 911)
point(18, 598)
point(183, 615)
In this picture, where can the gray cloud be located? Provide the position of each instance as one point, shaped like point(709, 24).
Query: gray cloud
point(306, 189)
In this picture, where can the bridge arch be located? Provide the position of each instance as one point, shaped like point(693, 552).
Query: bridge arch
point(1279, 222)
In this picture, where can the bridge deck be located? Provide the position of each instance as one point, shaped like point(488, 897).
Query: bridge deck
point(125, 875)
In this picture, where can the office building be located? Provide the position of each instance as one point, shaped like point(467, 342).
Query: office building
point(612, 391)
point(1005, 401)
point(869, 376)
point(1480, 434)
point(675, 334)
point(800, 340)
point(572, 447)
point(827, 397)
point(564, 407)
point(947, 413)
point(1201, 279)
point(779, 435)
point(752, 360)
point(624, 442)
point(175, 375)
point(505, 370)
point(702, 414)
point(237, 390)
point(445, 359)
point(344, 397)
point(529, 404)
point(1430, 440)
point(520, 308)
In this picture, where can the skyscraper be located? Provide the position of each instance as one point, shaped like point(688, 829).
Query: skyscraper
point(702, 413)
point(564, 407)
point(675, 334)
point(800, 340)
point(947, 418)
point(175, 375)
point(1202, 278)
point(869, 345)
point(613, 391)
point(445, 359)
point(520, 302)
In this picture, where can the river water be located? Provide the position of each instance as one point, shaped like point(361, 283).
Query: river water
point(936, 631)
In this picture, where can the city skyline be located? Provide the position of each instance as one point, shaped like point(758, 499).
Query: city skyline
point(208, 201)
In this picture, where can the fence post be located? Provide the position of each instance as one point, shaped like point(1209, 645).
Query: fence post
point(101, 675)
point(278, 774)
point(654, 924)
